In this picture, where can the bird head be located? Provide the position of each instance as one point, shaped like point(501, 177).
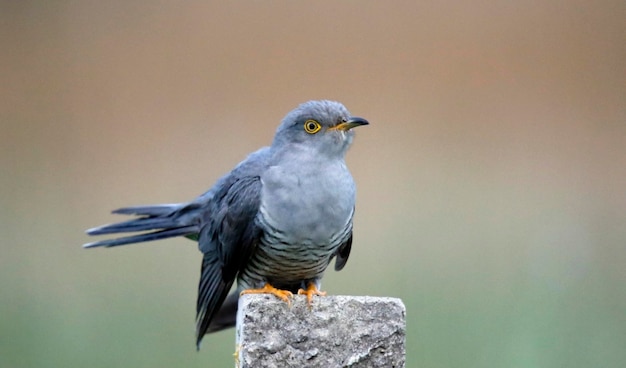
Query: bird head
point(324, 126)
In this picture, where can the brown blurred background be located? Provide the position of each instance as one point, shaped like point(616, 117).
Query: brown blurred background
point(492, 179)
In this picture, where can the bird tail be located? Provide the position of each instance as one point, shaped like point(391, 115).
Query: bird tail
point(157, 221)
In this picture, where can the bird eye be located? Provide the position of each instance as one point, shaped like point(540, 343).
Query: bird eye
point(312, 126)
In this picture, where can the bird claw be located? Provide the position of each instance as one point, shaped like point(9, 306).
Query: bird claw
point(309, 292)
point(284, 295)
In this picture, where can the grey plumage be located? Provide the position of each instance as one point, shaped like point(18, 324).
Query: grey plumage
point(278, 218)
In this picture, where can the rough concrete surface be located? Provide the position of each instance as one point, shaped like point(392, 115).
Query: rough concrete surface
point(337, 331)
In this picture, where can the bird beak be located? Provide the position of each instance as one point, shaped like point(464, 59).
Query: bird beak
point(352, 122)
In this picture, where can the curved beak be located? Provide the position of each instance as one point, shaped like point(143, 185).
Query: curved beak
point(352, 122)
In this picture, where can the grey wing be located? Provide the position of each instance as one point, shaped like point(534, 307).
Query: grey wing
point(227, 240)
point(343, 253)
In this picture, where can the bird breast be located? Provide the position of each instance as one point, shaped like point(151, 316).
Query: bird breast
point(308, 204)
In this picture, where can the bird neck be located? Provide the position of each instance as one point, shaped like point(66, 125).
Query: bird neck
point(303, 153)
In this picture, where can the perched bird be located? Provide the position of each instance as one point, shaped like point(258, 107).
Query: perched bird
point(273, 223)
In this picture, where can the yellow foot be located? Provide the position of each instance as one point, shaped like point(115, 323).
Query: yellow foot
point(284, 295)
point(236, 355)
point(310, 291)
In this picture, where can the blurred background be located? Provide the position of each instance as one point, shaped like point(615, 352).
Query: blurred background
point(492, 179)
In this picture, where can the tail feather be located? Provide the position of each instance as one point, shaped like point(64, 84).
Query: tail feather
point(156, 235)
point(226, 316)
point(156, 221)
point(152, 210)
point(139, 224)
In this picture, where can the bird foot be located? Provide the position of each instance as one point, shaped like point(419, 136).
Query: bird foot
point(310, 291)
point(236, 356)
point(283, 295)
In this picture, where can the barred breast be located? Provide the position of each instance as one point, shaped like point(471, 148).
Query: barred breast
point(304, 220)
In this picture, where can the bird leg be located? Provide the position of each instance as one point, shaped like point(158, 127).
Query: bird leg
point(310, 291)
point(269, 289)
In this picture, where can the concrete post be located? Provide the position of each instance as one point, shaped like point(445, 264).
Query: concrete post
point(337, 331)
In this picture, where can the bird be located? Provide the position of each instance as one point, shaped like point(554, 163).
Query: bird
point(272, 225)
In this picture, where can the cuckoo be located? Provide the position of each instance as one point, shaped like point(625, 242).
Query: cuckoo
point(273, 224)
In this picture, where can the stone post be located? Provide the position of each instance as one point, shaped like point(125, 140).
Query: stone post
point(336, 331)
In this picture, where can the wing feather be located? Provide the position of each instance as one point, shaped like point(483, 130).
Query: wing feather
point(227, 241)
point(343, 253)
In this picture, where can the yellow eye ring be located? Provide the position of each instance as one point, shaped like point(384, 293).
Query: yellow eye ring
point(312, 126)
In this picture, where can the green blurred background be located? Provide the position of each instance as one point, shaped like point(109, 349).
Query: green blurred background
point(492, 179)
